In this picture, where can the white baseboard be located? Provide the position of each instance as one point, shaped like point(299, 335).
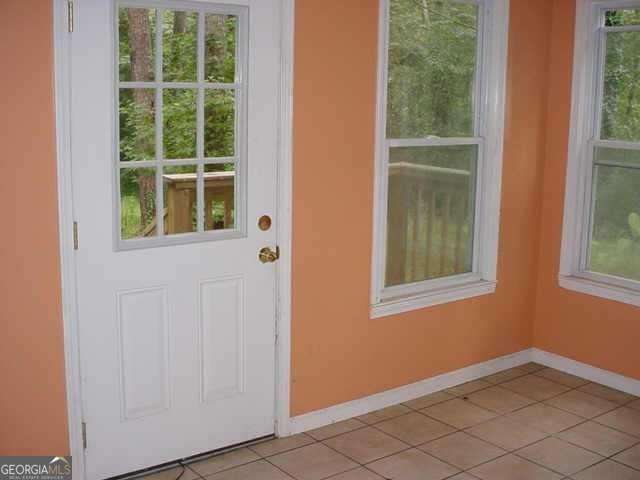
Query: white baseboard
point(588, 372)
point(361, 406)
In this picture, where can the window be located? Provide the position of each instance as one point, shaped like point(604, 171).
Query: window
point(180, 163)
point(601, 240)
point(439, 153)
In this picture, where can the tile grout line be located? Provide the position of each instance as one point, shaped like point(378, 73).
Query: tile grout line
point(465, 397)
point(514, 452)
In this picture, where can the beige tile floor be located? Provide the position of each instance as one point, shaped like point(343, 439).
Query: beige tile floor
point(527, 423)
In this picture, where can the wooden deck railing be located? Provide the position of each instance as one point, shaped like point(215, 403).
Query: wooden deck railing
point(180, 202)
point(428, 223)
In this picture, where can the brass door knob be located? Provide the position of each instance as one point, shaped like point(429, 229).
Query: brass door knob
point(266, 255)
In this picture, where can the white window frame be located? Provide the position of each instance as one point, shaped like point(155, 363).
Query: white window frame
point(488, 136)
point(588, 69)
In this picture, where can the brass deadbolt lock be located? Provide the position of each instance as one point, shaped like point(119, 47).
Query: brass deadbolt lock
point(264, 223)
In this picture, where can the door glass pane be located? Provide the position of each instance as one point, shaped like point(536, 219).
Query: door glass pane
point(615, 238)
point(180, 46)
point(137, 203)
point(430, 212)
point(432, 63)
point(137, 124)
point(219, 123)
point(191, 124)
point(220, 48)
point(136, 33)
point(180, 199)
point(621, 102)
point(219, 196)
point(179, 120)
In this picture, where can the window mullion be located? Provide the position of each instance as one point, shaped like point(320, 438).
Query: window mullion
point(159, 118)
point(433, 141)
point(618, 144)
point(200, 125)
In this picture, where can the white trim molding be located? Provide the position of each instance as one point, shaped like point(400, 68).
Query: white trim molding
point(488, 137)
point(586, 371)
point(62, 94)
point(585, 136)
point(361, 406)
point(285, 222)
point(453, 293)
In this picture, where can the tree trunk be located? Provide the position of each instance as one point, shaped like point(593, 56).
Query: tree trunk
point(147, 186)
point(180, 22)
point(142, 70)
point(425, 12)
point(216, 28)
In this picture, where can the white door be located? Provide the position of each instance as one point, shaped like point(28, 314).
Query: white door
point(174, 148)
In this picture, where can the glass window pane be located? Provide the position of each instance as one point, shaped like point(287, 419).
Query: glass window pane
point(137, 124)
point(430, 212)
point(622, 17)
point(432, 62)
point(137, 203)
point(180, 46)
point(615, 240)
point(220, 48)
point(180, 199)
point(136, 31)
point(219, 196)
point(621, 102)
point(179, 118)
point(219, 123)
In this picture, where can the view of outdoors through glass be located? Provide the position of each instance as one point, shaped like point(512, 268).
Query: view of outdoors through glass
point(158, 108)
point(432, 66)
point(615, 241)
point(431, 195)
point(614, 247)
point(432, 58)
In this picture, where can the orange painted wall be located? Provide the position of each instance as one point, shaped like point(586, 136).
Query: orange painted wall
point(32, 400)
point(339, 353)
point(582, 327)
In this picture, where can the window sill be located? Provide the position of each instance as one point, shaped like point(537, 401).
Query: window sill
point(600, 289)
point(449, 294)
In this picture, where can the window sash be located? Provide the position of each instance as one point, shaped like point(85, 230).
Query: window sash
point(381, 293)
point(587, 124)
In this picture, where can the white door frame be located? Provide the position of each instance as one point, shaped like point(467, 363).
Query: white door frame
point(62, 63)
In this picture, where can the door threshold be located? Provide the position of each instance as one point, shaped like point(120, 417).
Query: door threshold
point(184, 462)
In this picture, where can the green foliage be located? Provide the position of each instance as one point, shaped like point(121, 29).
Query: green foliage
point(137, 109)
point(622, 17)
point(619, 257)
point(137, 124)
point(621, 106)
point(634, 224)
point(432, 60)
point(615, 248)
